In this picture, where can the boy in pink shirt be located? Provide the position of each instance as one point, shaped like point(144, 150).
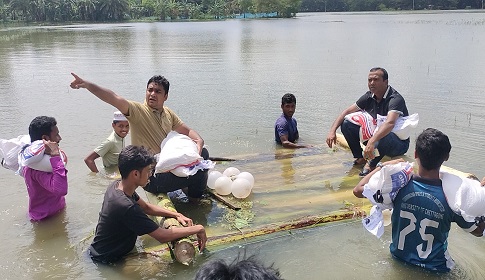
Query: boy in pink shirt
point(46, 189)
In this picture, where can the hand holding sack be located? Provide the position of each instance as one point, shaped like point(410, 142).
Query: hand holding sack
point(381, 190)
point(180, 155)
point(18, 152)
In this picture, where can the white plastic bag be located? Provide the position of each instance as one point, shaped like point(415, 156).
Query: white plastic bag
point(465, 196)
point(186, 171)
point(384, 185)
point(366, 122)
point(403, 126)
point(177, 150)
point(18, 152)
point(9, 151)
point(381, 190)
point(33, 156)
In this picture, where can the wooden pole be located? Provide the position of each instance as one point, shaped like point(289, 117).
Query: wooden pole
point(223, 200)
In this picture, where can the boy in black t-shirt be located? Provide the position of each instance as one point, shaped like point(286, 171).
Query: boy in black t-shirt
point(123, 215)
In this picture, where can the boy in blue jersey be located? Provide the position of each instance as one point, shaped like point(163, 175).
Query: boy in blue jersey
point(421, 218)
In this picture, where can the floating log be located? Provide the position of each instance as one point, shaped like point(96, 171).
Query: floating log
point(304, 222)
point(183, 250)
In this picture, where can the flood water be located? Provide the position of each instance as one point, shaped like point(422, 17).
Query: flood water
point(227, 79)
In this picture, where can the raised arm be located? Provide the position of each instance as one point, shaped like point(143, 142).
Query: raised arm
point(56, 181)
point(104, 94)
point(332, 134)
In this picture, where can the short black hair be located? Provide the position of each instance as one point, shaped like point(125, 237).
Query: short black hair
point(432, 148)
point(246, 269)
point(133, 158)
point(288, 98)
point(160, 80)
point(40, 126)
point(385, 76)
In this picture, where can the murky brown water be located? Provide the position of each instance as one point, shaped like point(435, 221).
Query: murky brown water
point(227, 79)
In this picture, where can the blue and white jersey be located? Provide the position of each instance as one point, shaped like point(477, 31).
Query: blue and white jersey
point(421, 220)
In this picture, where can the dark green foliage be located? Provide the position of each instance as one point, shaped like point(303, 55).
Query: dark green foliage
point(119, 10)
point(381, 5)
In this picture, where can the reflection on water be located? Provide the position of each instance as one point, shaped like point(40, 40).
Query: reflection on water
point(43, 257)
point(284, 156)
point(226, 82)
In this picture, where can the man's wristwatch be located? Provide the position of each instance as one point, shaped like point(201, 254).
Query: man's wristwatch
point(379, 164)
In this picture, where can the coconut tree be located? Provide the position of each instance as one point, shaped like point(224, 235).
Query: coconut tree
point(65, 10)
point(37, 10)
point(113, 9)
point(86, 10)
point(4, 8)
point(217, 8)
point(20, 9)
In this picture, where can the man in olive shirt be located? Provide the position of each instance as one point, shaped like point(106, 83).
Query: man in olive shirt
point(150, 122)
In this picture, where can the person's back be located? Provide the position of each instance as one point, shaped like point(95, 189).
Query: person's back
point(421, 221)
point(46, 189)
point(421, 217)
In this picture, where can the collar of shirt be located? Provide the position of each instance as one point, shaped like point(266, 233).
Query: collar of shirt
point(118, 138)
point(385, 94)
point(158, 113)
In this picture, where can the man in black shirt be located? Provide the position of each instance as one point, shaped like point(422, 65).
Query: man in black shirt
point(381, 99)
point(123, 215)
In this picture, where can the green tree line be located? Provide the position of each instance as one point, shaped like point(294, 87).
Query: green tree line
point(384, 5)
point(120, 10)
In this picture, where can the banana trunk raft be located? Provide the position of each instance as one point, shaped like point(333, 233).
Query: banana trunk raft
point(293, 189)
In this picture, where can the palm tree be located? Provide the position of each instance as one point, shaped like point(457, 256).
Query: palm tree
point(113, 9)
point(20, 9)
point(86, 10)
point(4, 8)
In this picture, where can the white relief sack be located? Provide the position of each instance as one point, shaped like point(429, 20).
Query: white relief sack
point(381, 190)
point(384, 185)
point(18, 152)
point(177, 150)
point(186, 171)
point(9, 151)
point(465, 196)
point(365, 121)
point(403, 126)
point(33, 156)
